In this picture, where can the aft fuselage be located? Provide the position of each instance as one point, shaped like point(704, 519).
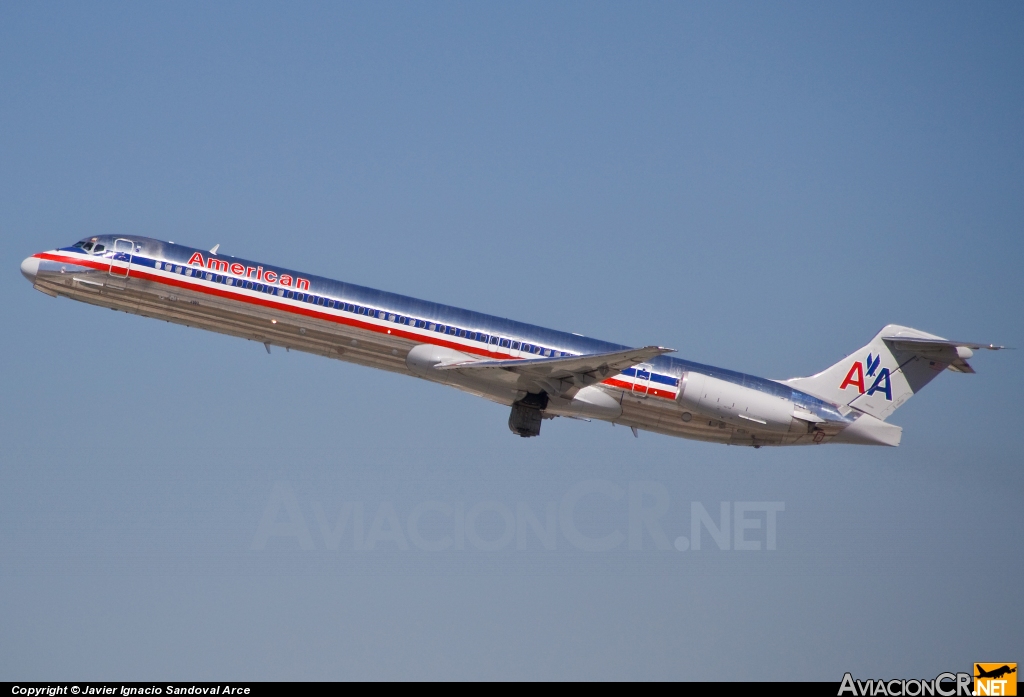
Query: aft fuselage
point(303, 312)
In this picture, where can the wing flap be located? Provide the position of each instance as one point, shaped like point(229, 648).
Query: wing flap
point(586, 369)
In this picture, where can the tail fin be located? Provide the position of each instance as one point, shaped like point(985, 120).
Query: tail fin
point(880, 377)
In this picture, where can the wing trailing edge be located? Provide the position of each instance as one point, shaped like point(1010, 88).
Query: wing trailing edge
point(582, 370)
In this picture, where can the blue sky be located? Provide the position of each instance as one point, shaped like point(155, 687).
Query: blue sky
point(761, 187)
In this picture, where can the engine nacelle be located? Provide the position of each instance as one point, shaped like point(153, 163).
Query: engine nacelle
point(738, 405)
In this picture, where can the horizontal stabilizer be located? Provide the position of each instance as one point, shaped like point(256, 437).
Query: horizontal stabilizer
point(912, 343)
point(955, 353)
point(584, 370)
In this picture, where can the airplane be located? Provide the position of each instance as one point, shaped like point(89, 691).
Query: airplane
point(995, 673)
point(539, 373)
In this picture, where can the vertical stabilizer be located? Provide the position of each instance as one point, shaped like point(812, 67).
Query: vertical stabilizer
point(880, 377)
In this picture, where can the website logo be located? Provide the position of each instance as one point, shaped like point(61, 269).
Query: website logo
point(995, 679)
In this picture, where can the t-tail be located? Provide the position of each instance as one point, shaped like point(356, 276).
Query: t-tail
point(880, 377)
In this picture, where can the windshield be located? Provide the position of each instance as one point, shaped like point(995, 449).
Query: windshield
point(90, 245)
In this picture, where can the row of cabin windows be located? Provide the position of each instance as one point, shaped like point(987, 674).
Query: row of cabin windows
point(367, 311)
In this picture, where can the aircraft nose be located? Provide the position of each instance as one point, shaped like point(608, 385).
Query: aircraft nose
point(29, 268)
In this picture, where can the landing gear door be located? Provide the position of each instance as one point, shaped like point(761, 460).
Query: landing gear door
point(642, 380)
point(123, 250)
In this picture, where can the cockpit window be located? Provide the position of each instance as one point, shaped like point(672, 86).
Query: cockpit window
point(87, 246)
point(98, 248)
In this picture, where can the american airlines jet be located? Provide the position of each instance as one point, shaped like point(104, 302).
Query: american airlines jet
point(539, 373)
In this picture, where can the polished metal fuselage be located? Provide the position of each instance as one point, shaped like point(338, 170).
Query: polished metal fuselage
point(156, 279)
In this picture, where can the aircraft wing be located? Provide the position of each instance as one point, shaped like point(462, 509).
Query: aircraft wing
point(581, 370)
point(954, 353)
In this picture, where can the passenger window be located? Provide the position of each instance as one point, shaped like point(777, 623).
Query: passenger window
point(515, 345)
point(453, 330)
point(504, 343)
point(494, 340)
point(535, 349)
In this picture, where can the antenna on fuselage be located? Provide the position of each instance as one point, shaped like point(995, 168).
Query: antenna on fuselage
point(215, 248)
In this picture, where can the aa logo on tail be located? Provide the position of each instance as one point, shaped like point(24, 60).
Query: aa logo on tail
point(861, 369)
point(995, 679)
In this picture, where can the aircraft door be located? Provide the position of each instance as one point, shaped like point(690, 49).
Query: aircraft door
point(123, 250)
point(642, 380)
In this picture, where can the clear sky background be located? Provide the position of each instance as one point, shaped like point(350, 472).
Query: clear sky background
point(761, 186)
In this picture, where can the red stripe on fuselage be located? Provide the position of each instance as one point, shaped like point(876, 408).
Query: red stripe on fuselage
point(278, 305)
